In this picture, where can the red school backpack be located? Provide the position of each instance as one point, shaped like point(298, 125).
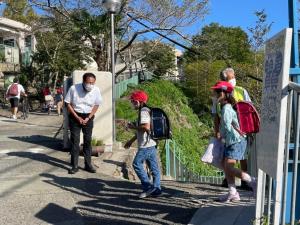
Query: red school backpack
point(248, 117)
point(13, 90)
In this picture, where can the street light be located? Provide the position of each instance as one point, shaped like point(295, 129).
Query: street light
point(112, 6)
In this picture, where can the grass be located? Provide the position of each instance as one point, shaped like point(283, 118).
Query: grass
point(190, 133)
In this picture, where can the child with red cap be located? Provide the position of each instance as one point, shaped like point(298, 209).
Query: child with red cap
point(147, 151)
point(234, 139)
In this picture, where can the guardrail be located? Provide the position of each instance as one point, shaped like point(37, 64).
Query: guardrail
point(177, 167)
point(290, 190)
point(122, 86)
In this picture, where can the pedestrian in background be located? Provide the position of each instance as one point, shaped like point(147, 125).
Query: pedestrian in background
point(59, 98)
point(13, 94)
point(48, 98)
point(83, 101)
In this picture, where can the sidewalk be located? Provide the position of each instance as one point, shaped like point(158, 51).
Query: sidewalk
point(36, 188)
point(214, 213)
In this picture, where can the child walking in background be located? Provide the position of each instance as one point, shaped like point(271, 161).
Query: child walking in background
point(235, 142)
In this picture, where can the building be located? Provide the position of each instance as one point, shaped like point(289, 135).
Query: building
point(139, 68)
point(134, 65)
point(16, 45)
point(177, 73)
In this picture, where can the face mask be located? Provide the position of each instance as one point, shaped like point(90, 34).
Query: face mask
point(135, 104)
point(88, 87)
point(232, 82)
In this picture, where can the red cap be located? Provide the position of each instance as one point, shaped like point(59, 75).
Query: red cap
point(140, 96)
point(224, 86)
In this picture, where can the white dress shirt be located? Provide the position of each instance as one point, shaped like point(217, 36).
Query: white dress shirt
point(81, 100)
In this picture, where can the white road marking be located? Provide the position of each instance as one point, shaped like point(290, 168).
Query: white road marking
point(31, 150)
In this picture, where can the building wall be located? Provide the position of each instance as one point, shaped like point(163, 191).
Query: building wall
point(10, 29)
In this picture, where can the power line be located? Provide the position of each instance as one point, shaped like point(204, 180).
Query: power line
point(164, 36)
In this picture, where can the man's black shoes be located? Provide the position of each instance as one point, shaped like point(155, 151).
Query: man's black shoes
point(90, 169)
point(73, 170)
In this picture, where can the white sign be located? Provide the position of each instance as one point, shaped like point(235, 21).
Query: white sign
point(271, 139)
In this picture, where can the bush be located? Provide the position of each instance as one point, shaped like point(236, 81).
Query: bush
point(190, 133)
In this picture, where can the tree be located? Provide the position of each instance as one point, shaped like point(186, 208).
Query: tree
point(200, 76)
point(258, 37)
point(19, 10)
point(166, 16)
point(216, 42)
point(160, 58)
point(59, 49)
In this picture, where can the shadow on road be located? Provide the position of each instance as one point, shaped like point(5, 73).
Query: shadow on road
point(41, 158)
point(116, 202)
point(41, 140)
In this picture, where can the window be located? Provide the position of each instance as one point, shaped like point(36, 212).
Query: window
point(28, 41)
point(9, 42)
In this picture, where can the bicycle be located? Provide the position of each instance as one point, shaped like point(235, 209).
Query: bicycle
point(25, 108)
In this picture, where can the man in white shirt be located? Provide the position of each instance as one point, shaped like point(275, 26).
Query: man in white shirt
point(13, 93)
point(83, 101)
point(147, 151)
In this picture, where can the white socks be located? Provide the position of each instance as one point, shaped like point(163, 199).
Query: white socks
point(232, 189)
point(246, 177)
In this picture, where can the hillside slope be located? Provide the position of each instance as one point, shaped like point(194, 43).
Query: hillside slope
point(189, 133)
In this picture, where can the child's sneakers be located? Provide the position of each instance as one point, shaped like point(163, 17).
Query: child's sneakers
point(152, 191)
point(229, 197)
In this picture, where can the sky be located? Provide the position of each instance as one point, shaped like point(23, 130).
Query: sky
point(241, 13)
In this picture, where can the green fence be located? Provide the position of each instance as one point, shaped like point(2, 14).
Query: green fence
point(176, 167)
point(26, 58)
point(122, 86)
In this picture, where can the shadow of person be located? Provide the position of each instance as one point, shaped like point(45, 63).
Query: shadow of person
point(41, 140)
point(111, 201)
point(44, 158)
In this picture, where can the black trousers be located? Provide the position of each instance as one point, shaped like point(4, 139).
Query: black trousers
point(87, 130)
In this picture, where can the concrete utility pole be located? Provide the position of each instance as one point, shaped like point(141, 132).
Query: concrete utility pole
point(113, 6)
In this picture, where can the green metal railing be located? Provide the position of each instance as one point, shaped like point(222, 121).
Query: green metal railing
point(26, 57)
point(176, 167)
point(122, 86)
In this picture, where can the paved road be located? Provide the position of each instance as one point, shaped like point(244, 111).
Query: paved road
point(36, 189)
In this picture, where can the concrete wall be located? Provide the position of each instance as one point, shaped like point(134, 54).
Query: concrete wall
point(103, 119)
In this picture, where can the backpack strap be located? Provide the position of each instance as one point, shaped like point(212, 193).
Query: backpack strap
point(139, 122)
point(239, 131)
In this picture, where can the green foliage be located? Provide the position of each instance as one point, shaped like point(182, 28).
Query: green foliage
point(2, 56)
point(200, 76)
point(260, 30)
point(222, 47)
point(19, 10)
point(125, 110)
point(59, 50)
point(190, 133)
point(159, 58)
point(242, 71)
point(96, 142)
point(217, 42)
